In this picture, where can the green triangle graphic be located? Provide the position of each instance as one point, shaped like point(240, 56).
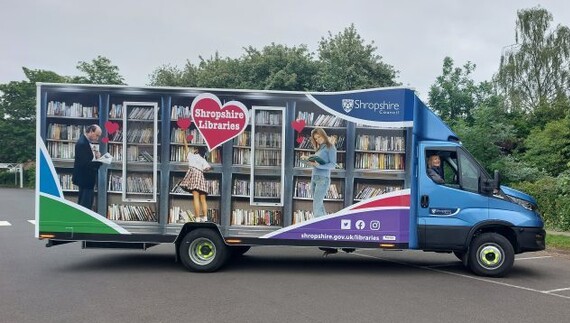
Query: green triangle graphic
point(60, 217)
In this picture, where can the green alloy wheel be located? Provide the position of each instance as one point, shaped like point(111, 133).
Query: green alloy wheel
point(203, 250)
point(491, 254)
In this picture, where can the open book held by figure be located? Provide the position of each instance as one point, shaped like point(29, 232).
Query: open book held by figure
point(105, 159)
point(315, 158)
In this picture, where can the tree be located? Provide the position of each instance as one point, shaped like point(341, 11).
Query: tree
point(278, 67)
point(536, 70)
point(168, 75)
point(99, 71)
point(347, 63)
point(454, 94)
point(549, 148)
point(18, 115)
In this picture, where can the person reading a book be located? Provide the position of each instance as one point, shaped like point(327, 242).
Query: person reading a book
point(322, 162)
point(434, 169)
point(85, 167)
point(195, 183)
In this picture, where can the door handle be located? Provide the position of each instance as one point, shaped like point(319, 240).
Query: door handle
point(424, 201)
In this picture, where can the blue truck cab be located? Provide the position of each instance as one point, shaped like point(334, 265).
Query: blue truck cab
point(470, 213)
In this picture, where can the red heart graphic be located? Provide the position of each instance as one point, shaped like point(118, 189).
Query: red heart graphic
point(105, 140)
point(184, 123)
point(216, 123)
point(300, 140)
point(189, 138)
point(298, 125)
point(111, 127)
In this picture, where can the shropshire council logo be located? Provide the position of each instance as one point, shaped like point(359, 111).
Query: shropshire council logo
point(347, 105)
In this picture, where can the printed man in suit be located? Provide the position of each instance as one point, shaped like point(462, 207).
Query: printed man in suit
point(84, 168)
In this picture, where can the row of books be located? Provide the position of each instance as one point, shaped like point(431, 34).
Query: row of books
point(301, 216)
point(179, 111)
point(122, 212)
point(178, 136)
point(58, 131)
point(141, 113)
point(366, 192)
point(267, 158)
point(241, 156)
point(212, 186)
point(243, 139)
point(75, 110)
point(380, 143)
point(268, 140)
point(256, 217)
point(66, 183)
point(322, 120)
point(179, 154)
point(268, 118)
point(61, 150)
point(267, 189)
point(337, 140)
point(116, 111)
point(379, 161)
point(303, 190)
point(178, 214)
point(140, 135)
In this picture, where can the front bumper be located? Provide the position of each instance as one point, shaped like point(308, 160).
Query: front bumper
point(530, 239)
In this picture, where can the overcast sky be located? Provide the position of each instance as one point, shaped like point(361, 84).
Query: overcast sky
point(140, 35)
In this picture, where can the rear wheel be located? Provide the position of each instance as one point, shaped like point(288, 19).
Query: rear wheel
point(203, 250)
point(491, 254)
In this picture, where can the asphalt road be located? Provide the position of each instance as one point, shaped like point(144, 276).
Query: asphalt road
point(269, 284)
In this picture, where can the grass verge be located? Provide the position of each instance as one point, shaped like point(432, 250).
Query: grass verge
point(557, 241)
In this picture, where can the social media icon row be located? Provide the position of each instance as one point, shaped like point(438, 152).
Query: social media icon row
point(346, 224)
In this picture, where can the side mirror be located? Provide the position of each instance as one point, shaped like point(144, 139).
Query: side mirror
point(496, 180)
point(489, 186)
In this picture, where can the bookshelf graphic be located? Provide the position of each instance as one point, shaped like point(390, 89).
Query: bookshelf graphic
point(257, 184)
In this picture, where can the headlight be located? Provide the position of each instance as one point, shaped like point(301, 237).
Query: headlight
point(524, 203)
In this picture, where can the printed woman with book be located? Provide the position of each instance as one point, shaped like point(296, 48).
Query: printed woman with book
point(322, 161)
point(195, 183)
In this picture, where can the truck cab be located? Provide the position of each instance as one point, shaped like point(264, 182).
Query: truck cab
point(470, 213)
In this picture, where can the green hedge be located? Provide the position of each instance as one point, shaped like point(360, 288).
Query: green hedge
point(552, 195)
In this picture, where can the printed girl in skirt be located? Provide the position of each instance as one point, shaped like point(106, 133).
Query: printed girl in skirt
point(195, 183)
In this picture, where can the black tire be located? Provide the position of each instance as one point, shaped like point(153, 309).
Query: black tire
point(203, 250)
point(238, 251)
point(491, 254)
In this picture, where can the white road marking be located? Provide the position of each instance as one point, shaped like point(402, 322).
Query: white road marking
point(529, 258)
point(465, 276)
point(557, 290)
point(5, 224)
point(32, 222)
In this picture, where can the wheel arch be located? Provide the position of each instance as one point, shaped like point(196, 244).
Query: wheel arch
point(503, 228)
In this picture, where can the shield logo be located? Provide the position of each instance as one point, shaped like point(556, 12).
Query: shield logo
point(347, 105)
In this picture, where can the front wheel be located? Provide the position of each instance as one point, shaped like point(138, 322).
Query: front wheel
point(203, 250)
point(491, 254)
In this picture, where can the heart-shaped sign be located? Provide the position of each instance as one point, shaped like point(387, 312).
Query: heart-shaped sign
point(298, 125)
point(105, 140)
point(299, 140)
point(111, 127)
point(184, 123)
point(218, 123)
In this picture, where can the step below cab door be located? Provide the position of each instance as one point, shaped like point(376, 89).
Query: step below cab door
point(450, 197)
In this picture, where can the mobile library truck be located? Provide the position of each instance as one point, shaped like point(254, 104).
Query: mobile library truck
point(260, 192)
